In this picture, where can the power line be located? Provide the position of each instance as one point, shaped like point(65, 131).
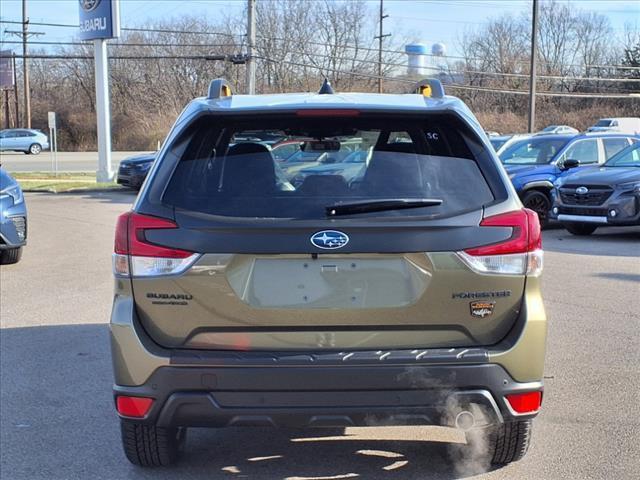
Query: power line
point(547, 94)
point(346, 46)
point(352, 73)
point(465, 87)
point(117, 44)
point(130, 29)
point(236, 59)
point(563, 78)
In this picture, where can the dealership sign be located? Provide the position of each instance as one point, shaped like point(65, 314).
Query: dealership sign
point(99, 19)
point(6, 69)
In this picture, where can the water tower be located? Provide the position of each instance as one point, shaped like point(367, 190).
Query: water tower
point(438, 50)
point(416, 52)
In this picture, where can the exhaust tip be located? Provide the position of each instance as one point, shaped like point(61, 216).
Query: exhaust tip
point(465, 420)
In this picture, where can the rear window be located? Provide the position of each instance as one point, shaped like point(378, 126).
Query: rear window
point(225, 171)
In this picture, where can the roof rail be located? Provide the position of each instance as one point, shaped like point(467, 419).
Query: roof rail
point(429, 87)
point(219, 88)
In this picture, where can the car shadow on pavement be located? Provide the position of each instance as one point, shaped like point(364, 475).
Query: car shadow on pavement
point(122, 196)
point(58, 422)
point(607, 241)
point(626, 277)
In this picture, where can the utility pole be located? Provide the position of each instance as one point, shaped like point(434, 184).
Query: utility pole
point(5, 102)
point(251, 47)
point(25, 66)
point(25, 34)
point(15, 92)
point(381, 37)
point(532, 73)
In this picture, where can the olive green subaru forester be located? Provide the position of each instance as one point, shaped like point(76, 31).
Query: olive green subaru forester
point(384, 272)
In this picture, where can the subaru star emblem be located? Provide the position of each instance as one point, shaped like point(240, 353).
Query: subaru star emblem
point(88, 5)
point(582, 190)
point(329, 239)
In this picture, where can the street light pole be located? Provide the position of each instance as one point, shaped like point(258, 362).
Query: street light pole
point(532, 73)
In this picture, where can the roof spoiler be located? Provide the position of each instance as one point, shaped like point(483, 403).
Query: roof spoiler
point(219, 88)
point(429, 87)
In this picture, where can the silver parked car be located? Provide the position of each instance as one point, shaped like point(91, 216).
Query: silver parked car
point(13, 219)
point(561, 129)
point(25, 140)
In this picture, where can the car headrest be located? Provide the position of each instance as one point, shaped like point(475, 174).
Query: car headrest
point(247, 147)
point(400, 147)
point(393, 173)
point(249, 169)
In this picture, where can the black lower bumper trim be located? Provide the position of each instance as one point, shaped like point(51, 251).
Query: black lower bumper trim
point(325, 396)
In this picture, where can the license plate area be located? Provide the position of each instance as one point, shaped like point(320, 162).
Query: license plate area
point(330, 283)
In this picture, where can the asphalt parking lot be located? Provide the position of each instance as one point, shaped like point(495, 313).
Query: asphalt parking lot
point(58, 420)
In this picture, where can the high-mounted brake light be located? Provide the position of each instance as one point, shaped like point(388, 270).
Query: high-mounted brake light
point(136, 407)
point(523, 403)
point(324, 112)
point(520, 254)
point(145, 258)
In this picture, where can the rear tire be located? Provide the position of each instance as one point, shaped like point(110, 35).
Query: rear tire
point(540, 203)
point(35, 149)
point(494, 446)
point(581, 229)
point(510, 441)
point(10, 256)
point(149, 445)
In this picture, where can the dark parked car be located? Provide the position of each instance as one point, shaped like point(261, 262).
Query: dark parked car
point(13, 219)
point(535, 163)
point(600, 196)
point(133, 170)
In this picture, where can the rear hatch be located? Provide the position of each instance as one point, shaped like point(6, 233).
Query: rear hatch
point(248, 261)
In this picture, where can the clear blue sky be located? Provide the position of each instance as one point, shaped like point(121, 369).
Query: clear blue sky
point(427, 21)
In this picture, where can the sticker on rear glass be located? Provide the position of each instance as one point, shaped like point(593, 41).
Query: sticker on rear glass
point(481, 309)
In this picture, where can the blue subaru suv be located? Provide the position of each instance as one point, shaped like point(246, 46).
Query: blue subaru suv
point(13, 219)
point(535, 163)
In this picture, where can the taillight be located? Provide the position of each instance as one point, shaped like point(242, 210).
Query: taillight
point(135, 255)
point(136, 407)
point(520, 254)
point(524, 403)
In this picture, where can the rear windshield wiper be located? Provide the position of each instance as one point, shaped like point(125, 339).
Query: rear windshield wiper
point(381, 205)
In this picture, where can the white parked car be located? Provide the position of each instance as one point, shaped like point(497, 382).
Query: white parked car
point(619, 125)
point(501, 142)
point(558, 129)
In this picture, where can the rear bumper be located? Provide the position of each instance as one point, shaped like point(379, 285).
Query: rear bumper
point(331, 396)
point(326, 388)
